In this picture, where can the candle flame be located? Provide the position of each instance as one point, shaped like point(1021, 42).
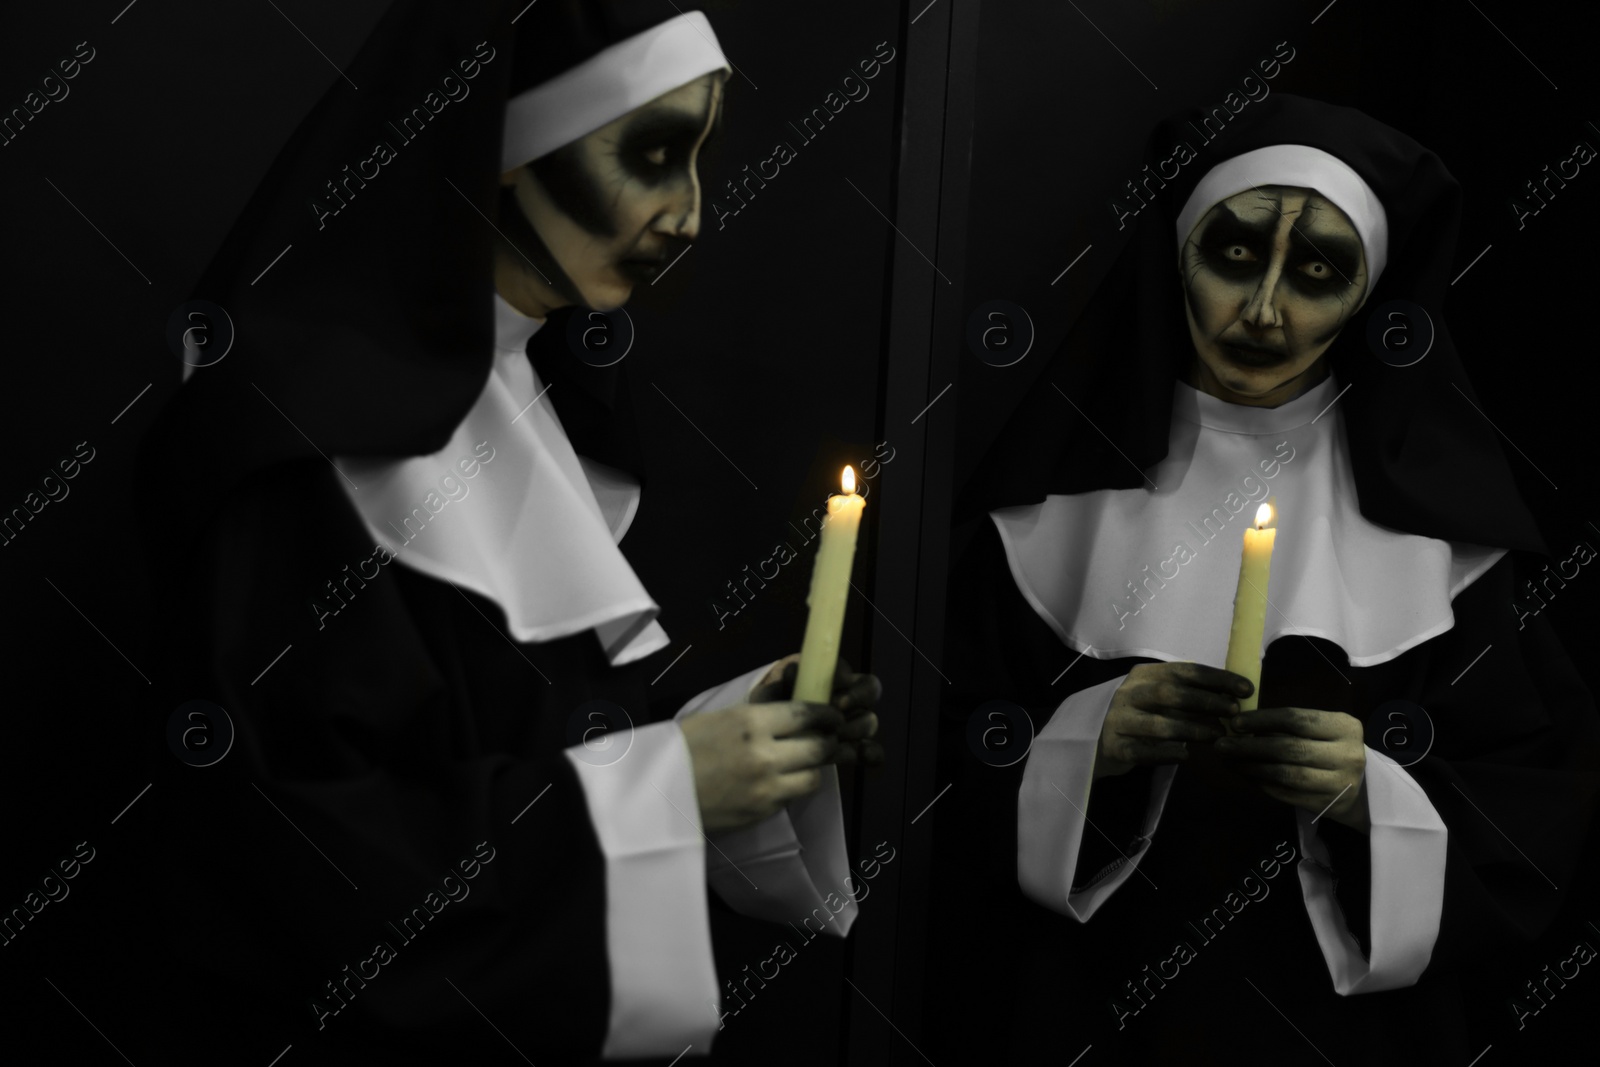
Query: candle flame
point(1263, 515)
point(847, 480)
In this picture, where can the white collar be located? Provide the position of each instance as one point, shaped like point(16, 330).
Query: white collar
point(510, 511)
point(1140, 572)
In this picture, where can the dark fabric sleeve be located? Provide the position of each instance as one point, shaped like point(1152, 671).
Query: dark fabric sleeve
point(390, 742)
point(1351, 867)
point(1513, 768)
point(1116, 811)
point(1000, 649)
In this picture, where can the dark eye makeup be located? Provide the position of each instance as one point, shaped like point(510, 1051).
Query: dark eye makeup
point(1339, 257)
point(658, 143)
point(1236, 249)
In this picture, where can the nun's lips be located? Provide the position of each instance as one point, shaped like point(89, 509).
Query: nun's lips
point(1254, 355)
point(641, 269)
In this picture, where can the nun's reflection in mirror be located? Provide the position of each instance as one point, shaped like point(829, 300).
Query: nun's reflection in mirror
point(1224, 360)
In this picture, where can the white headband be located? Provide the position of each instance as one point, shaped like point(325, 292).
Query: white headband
point(1307, 168)
point(607, 86)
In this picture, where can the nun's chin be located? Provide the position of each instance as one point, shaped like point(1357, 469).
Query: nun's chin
point(1240, 385)
point(1254, 382)
point(607, 295)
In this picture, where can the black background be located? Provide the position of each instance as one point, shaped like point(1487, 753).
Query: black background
point(795, 338)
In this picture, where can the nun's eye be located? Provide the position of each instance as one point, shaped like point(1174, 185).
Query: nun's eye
point(656, 156)
point(1320, 276)
point(1234, 255)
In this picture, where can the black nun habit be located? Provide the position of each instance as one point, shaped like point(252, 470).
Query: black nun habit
point(1177, 913)
point(398, 573)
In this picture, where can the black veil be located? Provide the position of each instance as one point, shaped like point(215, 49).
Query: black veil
point(1425, 460)
point(362, 307)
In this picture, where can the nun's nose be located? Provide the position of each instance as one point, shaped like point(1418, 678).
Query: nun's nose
point(681, 218)
point(1262, 309)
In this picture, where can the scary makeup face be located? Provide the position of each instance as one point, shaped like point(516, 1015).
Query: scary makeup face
point(1270, 277)
point(592, 219)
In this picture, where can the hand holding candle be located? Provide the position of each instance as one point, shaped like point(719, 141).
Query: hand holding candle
point(856, 695)
point(1250, 605)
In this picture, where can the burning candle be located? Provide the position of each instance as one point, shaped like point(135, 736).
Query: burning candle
point(830, 587)
point(1250, 604)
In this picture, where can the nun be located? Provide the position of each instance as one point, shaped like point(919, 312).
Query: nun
point(1310, 881)
point(447, 826)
